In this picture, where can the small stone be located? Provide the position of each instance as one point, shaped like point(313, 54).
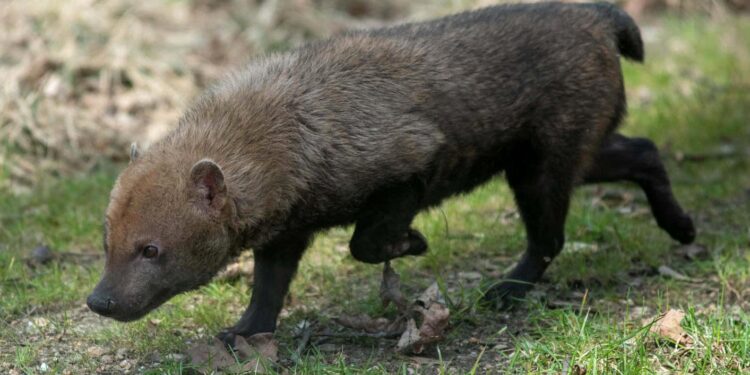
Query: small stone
point(95, 351)
point(126, 364)
point(43, 367)
point(41, 255)
point(107, 358)
point(121, 353)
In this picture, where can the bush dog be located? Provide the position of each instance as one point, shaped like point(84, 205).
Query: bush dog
point(370, 127)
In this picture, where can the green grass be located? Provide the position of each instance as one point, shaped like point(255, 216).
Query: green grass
point(697, 101)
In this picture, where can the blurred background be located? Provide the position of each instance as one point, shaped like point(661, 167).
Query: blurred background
point(82, 79)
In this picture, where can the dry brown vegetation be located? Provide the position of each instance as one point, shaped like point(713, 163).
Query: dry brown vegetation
point(82, 79)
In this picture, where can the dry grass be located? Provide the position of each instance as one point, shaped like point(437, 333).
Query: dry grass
point(82, 79)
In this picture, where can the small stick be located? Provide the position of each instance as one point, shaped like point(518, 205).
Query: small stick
point(349, 335)
point(306, 334)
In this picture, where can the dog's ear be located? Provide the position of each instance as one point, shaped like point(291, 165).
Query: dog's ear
point(207, 181)
point(133, 152)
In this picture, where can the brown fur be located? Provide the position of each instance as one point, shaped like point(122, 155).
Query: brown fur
point(372, 127)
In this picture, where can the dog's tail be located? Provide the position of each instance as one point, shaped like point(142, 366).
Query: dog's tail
point(626, 32)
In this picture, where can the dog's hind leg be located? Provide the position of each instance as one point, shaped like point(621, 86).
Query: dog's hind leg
point(637, 160)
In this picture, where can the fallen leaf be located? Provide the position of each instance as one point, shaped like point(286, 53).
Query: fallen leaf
point(210, 357)
point(410, 338)
point(255, 354)
point(669, 272)
point(668, 327)
point(429, 308)
point(430, 295)
point(435, 319)
point(390, 289)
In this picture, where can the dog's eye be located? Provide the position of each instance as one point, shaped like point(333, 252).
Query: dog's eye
point(150, 251)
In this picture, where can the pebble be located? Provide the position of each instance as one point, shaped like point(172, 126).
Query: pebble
point(107, 358)
point(43, 367)
point(121, 353)
point(41, 255)
point(126, 364)
point(95, 351)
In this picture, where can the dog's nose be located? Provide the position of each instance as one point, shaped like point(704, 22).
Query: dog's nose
point(100, 305)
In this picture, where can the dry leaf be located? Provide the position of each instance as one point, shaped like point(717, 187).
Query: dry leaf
point(435, 319)
point(210, 357)
point(255, 354)
point(668, 327)
point(390, 289)
point(409, 338)
point(430, 295)
point(429, 308)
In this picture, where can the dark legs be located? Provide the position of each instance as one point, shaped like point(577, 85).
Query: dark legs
point(542, 189)
point(383, 229)
point(542, 192)
point(637, 160)
point(275, 265)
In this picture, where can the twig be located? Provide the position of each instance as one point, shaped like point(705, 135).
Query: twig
point(306, 334)
point(722, 153)
point(349, 335)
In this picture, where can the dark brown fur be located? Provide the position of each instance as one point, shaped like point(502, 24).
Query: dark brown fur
point(371, 127)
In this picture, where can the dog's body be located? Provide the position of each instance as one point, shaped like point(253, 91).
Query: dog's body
point(371, 127)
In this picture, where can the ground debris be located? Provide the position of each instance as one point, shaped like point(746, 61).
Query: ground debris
point(693, 251)
point(256, 354)
point(667, 271)
point(435, 318)
point(364, 322)
point(428, 309)
point(668, 327)
point(41, 255)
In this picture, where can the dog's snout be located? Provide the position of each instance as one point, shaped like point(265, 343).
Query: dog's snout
point(101, 305)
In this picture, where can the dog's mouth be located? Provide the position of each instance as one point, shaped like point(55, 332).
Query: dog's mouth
point(130, 314)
